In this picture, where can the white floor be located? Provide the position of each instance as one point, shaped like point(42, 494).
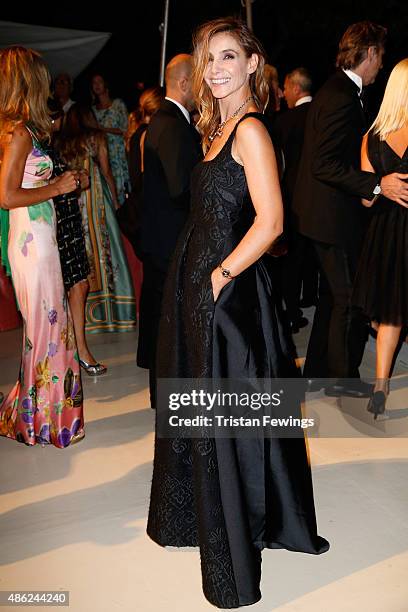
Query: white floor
point(75, 519)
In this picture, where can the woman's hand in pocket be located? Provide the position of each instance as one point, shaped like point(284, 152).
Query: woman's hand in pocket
point(218, 282)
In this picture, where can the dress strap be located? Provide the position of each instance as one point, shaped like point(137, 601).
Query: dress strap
point(259, 116)
point(31, 132)
point(256, 115)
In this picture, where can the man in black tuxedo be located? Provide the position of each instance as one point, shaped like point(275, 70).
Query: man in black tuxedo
point(171, 150)
point(328, 209)
point(299, 264)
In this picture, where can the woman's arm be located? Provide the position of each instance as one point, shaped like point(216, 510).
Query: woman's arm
point(12, 194)
point(253, 148)
point(111, 130)
point(103, 160)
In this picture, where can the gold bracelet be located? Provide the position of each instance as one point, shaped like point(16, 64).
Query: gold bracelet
point(226, 273)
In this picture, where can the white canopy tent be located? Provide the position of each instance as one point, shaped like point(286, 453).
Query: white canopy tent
point(63, 49)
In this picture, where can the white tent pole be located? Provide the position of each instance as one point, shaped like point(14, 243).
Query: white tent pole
point(164, 27)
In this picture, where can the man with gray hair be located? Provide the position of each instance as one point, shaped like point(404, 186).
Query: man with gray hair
point(297, 87)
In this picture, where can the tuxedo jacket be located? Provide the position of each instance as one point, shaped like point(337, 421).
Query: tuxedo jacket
point(288, 134)
point(171, 150)
point(330, 184)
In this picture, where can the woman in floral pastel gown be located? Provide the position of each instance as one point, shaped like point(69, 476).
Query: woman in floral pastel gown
point(45, 405)
point(112, 118)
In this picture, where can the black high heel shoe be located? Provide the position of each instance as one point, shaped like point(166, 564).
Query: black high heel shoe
point(376, 404)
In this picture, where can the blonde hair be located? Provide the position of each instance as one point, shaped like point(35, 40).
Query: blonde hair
point(207, 105)
point(25, 87)
point(393, 113)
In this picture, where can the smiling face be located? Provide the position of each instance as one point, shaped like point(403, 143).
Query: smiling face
point(228, 66)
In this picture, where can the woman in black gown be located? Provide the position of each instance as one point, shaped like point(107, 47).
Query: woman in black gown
point(381, 284)
point(230, 497)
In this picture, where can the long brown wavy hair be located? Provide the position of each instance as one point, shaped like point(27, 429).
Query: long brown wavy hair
point(79, 126)
point(24, 90)
point(207, 105)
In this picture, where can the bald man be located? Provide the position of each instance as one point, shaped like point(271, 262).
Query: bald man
point(172, 149)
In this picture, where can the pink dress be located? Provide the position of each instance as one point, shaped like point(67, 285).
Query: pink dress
point(45, 405)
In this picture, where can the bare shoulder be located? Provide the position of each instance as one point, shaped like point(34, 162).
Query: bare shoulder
point(251, 125)
point(18, 138)
point(119, 103)
point(21, 137)
point(252, 133)
point(21, 132)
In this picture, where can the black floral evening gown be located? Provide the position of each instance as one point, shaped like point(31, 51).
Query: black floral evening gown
point(230, 497)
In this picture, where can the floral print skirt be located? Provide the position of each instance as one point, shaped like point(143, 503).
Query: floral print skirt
point(111, 303)
point(45, 405)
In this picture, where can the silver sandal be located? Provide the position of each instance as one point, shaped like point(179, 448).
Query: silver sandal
point(95, 369)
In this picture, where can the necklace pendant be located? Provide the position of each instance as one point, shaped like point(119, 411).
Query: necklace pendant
point(218, 132)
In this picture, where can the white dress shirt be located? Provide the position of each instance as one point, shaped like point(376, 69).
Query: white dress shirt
point(356, 78)
point(68, 105)
point(181, 107)
point(359, 82)
point(303, 100)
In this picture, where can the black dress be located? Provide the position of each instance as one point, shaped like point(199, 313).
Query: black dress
point(70, 235)
point(135, 158)
point(230, 497)
point(381, 284)
point(129, 215)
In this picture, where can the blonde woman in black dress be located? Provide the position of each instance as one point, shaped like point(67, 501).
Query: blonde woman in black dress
point(381, 285)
